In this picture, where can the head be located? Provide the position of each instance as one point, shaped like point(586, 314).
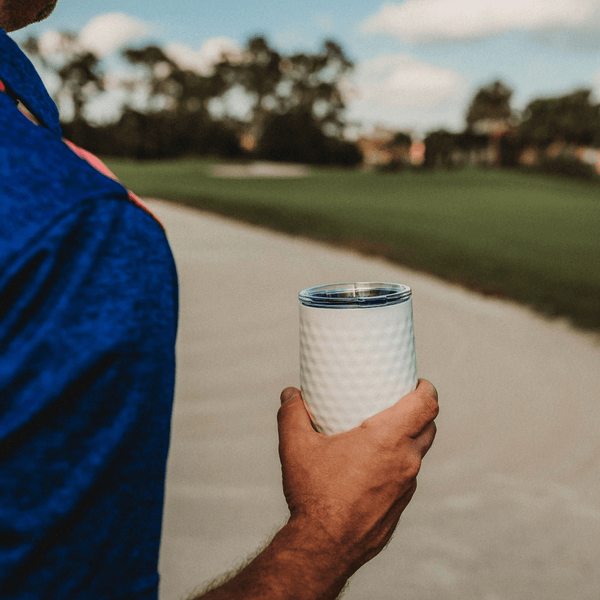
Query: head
point(15, 14)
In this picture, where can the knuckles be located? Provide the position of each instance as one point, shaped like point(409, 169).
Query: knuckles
point(412, 465)
point(430, 399)
point(395, 457)
point(433, 407)
point(429, 409)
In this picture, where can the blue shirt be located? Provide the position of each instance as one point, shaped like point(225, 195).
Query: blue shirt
point(88, 316)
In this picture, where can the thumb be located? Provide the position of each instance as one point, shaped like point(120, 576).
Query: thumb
point(288, 394)
point(293, 416)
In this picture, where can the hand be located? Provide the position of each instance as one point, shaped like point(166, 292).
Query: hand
point(345, 492)
point(350, 489)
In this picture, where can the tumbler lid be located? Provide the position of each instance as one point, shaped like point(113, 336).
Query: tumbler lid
point(354, 295)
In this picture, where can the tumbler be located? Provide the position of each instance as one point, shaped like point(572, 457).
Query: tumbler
point(357, 351)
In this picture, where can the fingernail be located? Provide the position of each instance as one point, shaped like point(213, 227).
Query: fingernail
point(287, 394)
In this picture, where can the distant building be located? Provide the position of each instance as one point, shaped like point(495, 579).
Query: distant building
point(248, 142)
point(493, 128)
point(379, 150)
point(532, 156)
point(590, 156)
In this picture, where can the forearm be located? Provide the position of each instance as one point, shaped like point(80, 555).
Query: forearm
point(300, 563)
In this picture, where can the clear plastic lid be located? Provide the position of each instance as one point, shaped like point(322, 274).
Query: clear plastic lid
point(354, 295)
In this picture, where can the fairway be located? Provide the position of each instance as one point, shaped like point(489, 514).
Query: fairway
point(528, 237)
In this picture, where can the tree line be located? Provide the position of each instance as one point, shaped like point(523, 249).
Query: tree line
point(549, 134)
point(294, 110)
point(294, 104)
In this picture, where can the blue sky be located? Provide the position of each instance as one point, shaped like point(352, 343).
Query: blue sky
point(418, 62)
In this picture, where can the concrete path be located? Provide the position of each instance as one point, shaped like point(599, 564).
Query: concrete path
point(508, 506)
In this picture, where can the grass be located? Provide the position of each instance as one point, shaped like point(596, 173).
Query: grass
point(529, 237)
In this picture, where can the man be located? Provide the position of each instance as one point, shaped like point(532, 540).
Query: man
point(88, 312)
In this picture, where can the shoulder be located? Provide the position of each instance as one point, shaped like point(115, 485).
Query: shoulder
point(65, 224)
point(43, 181)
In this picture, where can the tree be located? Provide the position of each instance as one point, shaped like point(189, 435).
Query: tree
point(572, 118)
point(292, 137)
point(302, 83)
point(401, 139)
point(158, 80)
point(439, 146)
point(176, 119)
point(82, 78)
point(171, 111)
point(490, 109)
point(296, 137)
point(78, 69)
point(313, 84)
point(258, 73)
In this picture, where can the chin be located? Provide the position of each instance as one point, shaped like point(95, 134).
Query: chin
point(46, 10)
point(16, 14)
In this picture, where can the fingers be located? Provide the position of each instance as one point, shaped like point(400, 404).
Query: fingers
point(412, 416)
point(413, 413)
point(419, 408)
point(423, 442)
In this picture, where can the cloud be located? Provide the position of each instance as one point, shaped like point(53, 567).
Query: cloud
point(50, 42)
point(403, 91)
point(426, 21)
point(109, 32)
point(203, 60)
point(401, 80)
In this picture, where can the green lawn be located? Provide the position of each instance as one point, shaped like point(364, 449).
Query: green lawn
point(529, 237)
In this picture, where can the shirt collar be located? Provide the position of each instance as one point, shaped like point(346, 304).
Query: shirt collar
point(22, 81)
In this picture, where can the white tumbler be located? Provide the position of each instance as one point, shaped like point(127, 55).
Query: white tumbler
point(357, 351)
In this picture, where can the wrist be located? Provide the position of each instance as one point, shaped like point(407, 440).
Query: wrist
point(310, 544)
point(302, 562)
point(307, 563)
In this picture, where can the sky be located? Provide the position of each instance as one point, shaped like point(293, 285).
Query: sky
point(418, 63)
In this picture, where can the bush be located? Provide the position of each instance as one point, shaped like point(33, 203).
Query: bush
point(568, 166)
point(156, 136)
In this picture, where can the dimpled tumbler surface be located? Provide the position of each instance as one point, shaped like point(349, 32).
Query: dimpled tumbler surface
point(355, 362)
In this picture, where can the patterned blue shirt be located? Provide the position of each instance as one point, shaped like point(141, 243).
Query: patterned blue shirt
point(88, 317)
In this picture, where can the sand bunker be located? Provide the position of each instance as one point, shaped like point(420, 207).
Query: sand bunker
point(258, 169)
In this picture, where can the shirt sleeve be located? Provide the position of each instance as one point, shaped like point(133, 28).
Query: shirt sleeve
point(87, 343)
